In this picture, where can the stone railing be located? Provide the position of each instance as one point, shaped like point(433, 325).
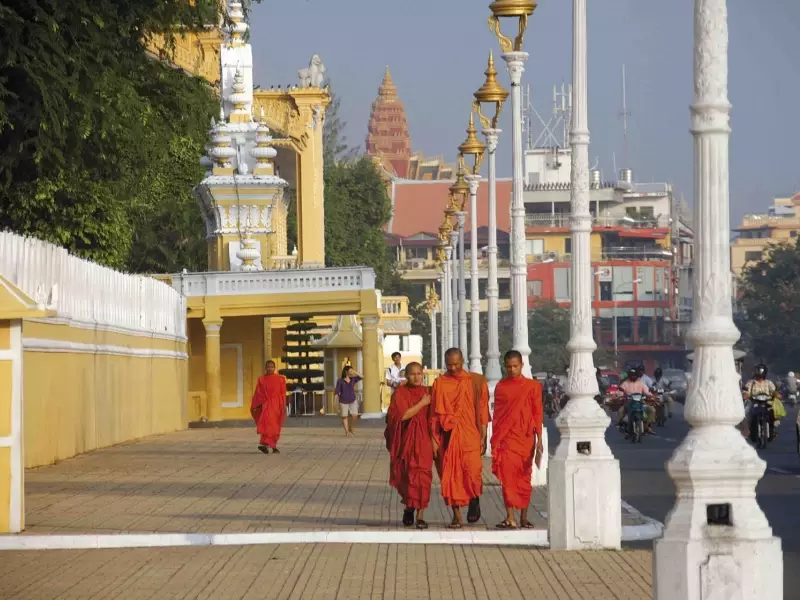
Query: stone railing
point(770, 221)
point(394, 306)
point(563, 220)
point(274, 282)
point(283, 263)
point(81, 290)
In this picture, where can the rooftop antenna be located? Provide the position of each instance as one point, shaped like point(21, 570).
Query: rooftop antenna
point(526, 117)
point(562, 109)
point(624, 115)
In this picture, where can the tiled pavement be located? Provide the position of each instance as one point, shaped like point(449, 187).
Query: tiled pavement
point(214, 480)
point(325, 572)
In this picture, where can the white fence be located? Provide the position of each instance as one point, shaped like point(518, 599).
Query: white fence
point(81, 290)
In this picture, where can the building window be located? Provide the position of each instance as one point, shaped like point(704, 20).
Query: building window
point(793, 233)
point(752, 256)
point(561, 278)
point(535, 289)
point(605, 291)
point(418, 253)
point(534, 247)
point(504, 288)
point(568, 246)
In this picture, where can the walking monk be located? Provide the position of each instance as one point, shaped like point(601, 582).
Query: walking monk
point(516, 438)
point(459, 418)
point(269, 407)
point(408, 439)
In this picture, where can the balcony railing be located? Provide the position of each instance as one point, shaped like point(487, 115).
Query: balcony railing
point(770, 221)
point(563, 220)
point(609, 253)
point(274, 282)
point(395, 306)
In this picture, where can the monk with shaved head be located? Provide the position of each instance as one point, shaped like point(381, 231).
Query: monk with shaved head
point(268, 407)
point(408, 439)
point(459, 419)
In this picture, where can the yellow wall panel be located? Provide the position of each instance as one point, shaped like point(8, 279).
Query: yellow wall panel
point(5, 398)
point(5, 335)
point(5, 487)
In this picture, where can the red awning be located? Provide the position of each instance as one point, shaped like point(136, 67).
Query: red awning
point(649, 234)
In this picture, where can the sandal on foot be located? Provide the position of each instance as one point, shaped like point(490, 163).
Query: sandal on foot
point(264, 449)
point(421, 524)
point(276, 451)
point(408, 517)
point(474, 512)
point(526, 525)
point(506, 524)
point(455, 525)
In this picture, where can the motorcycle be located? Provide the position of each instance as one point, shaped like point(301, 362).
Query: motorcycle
point(660, 395)
point(634, 431)
point(760, 417)
point(550, 404)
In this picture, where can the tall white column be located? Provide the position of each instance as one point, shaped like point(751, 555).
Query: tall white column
point(493, 373)
point(454, 288)
point(474, 289)
point(434, 341)
point(717, 542)
point(519, 266)
point(584, 479)
point(447, 314)
point(462, 286)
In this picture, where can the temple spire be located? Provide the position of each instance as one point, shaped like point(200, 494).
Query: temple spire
point(388, 138)
point(387, 91)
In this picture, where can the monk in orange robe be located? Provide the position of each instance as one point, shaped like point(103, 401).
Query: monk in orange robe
point(516, 438)
point(408, 440)
point(458, 433)
point(268, 407)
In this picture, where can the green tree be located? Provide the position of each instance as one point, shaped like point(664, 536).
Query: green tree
point(335, 147)
point(770, 303)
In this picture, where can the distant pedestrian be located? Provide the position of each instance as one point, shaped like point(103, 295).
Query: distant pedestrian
point(268, 407)
point(345, 393)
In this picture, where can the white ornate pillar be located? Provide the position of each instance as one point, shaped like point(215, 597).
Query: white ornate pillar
point(519, 266)
point(461, 216)
point(434, 342)
point(493, 372)
point(447, 313)
point(584, 478)
point(474, 289)
point(717, 542)
point(454, 289)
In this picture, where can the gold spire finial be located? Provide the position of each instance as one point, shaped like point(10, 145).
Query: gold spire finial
point(472, 146)
point(460, 189)
point(490, 92)
point(388, 89)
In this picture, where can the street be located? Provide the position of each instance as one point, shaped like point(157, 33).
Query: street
point(647, 486)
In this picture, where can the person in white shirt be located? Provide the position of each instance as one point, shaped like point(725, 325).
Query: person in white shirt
point(394, 377)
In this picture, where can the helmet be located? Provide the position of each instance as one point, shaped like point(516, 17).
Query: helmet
point(760, 371)
point(633, 374)
point(658, 372)
point(790, 374)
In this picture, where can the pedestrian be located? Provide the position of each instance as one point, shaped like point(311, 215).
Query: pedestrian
point(268, 407)
point(408, 440)
point(345, 393)
point(393, 377)
point(516, 439)
point(459, 418)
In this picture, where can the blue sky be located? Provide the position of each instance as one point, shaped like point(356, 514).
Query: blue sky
point(437, 51)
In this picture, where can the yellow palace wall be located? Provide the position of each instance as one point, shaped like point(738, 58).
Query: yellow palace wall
point(97, 388)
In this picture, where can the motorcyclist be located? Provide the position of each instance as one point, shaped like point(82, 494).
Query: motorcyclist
point(759, 385)
point(552, 389)
point(791, 385)
point(634, 385)
point(646, 379)
point(660, 382)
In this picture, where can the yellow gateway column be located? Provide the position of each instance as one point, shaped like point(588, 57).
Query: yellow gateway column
point(373, 359)
point(213, 380)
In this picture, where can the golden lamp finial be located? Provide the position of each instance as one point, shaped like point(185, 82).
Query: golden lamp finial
point(460, 189)
point(444, 230)
point(518, 9)
point(491, 92)
point(472, 146)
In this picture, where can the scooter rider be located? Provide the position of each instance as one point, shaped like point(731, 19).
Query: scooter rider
point(634, 385)
point(660, 382)
point(759, 385)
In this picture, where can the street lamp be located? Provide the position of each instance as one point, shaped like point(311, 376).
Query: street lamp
point(614, 305)
point(491, 92)
point(515, 59)
point(473, 147)
point(444, 255)
point(459, 191)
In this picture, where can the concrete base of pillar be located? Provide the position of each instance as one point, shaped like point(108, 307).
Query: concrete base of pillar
point(584, 503)
point(718, 566)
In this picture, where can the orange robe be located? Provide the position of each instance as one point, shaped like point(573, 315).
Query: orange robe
point(410, 448)
point(268, 408)
point(456, 413)
point(517, 417)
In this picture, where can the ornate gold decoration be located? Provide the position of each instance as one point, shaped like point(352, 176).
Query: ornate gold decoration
point(444, 231)
point(281, 114)
point(472, 146)
point(491, 92)
point(519, 9)
point(452, 206)
point(432, 301)
point(460, 189)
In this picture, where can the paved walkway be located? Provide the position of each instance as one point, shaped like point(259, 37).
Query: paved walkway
point(215, 481)
point(326, 572)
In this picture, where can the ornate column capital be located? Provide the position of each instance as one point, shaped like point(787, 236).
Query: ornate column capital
point(516, 65)
point(492, 137)
point(474, 182)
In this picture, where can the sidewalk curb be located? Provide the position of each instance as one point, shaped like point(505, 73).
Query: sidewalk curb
point(533, 537)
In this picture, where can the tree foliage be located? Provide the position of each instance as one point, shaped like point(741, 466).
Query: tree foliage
point(335, 147)
point(100, 141)
point(770, 303)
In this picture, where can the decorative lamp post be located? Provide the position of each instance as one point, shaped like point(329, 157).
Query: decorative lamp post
point(473, 147)
point(717, 542)
point(446, 250)
point(450, 212)
point(584, 479)
point(432, 305)
point(515, 59)
point(491, 92)
point(460, 189)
